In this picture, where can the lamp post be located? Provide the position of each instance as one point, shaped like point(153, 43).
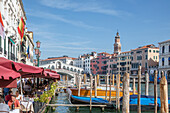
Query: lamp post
point(38, 54)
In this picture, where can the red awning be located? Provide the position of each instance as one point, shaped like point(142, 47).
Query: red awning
point(9, 64)
point(23, 69)
point(12, 83)
point(6, 73)
point(52, 74)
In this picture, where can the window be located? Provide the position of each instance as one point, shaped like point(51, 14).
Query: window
point(163, 49)
point(156, 57)
point(146, 57)
point(139, 57)
point(162, 61)
point(150, 51)
point(146, 50)
point(169, 48)
point(132, 58)
point(169, 61)
point(145, 65)
point(153, 57)
point(153, 51)
point(157, 51)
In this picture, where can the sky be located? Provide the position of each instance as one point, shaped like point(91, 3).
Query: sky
point(75, 27)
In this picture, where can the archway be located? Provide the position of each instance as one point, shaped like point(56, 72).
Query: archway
point(64, 67)
point(71, 63)
point(58, 65)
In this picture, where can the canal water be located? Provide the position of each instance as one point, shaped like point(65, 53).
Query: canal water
point(62, 98)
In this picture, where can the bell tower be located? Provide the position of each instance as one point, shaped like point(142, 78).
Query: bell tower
point(117, 45)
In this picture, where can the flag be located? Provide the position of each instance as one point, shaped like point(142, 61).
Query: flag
point(21, 28)
point(28, 52)
point(2, 32)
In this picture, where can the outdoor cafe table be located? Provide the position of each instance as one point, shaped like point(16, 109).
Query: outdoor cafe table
point(15, 111)
point(28, 105)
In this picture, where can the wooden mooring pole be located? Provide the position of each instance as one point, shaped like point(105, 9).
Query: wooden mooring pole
point(139, 89)
point(85, 78)
point(155, 90)
point(98, 80)
point(118, 92)
point(134, 87)
point(146, 84)
point(79, 87)
point(113, 80)
point(90, 92)
point(164, 95)
point(110, 94)
point(125, 103)
point(95, 87)
point(106, 86)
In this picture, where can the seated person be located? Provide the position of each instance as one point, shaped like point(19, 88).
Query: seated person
point(8, 97)
point(18, 96)
point(15, 102)
point(4, 107)
point(1, 99)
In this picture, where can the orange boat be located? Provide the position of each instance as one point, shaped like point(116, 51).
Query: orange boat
point(100, 92)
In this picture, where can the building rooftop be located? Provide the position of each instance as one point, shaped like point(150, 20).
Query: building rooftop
point(164, 41)
point(146, 46)
point(58, 58)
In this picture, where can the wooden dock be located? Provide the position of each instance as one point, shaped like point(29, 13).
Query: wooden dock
point(77, 106)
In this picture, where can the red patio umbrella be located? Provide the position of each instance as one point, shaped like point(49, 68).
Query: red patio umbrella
point(52, 74)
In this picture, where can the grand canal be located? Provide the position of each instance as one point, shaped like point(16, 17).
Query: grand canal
point(63, 99)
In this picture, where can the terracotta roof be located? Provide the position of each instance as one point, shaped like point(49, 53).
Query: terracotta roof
point(104, 53)
point(125, 52)
point(147, 46)
point(58, 58)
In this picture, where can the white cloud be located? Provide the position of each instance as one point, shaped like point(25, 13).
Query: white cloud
point(46, 15)
point(83, 6)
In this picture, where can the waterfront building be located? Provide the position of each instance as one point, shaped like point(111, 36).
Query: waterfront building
point(29, 48)
point(83, 61)
point(124, 62)
point(146, 56)
point(10, 46)
point(164, 58)
point(99, 64)
point(112, 65)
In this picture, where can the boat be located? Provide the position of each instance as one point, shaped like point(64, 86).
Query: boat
point(147, 102)
point(101, 92)
point(95, 101)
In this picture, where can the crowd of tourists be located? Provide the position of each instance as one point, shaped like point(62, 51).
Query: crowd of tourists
point(12, 98)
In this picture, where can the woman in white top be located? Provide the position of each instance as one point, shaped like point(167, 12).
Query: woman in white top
point(18, 96)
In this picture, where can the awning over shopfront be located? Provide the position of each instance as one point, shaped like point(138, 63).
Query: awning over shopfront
point(12, 83)
point(23, 69)
point(6, 73)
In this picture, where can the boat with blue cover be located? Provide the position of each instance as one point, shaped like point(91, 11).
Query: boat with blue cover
point(147, 102)
point(86, 100)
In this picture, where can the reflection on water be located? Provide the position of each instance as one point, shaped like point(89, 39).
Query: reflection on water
point(63, 99)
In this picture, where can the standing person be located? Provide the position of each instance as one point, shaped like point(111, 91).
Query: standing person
point(5, 91)
point(18, 96)
point(8, 97)
point(14, 102)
